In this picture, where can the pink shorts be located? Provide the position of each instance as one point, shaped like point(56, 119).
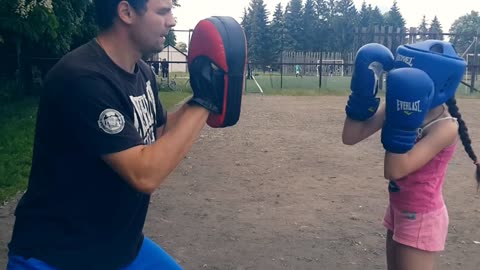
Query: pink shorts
point(424, 231)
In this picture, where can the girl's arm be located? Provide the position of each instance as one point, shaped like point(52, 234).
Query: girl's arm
point(440, 135)
point(356, 131)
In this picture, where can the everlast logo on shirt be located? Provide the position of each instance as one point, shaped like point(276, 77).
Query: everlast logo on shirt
point(405, 59)
point(408, 106)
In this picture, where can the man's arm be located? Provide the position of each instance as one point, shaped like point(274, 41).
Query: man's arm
point(146, 167)
point(106, 128)
point(171, 120)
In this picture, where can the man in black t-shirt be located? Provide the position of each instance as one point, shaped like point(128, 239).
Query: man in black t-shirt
point(103, 144)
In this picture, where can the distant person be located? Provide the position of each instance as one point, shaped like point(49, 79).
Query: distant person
point(164, 66)
point(298, 71)
point(156, 65)
point(249, 72)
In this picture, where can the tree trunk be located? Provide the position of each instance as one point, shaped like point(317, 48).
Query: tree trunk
point(18, 70)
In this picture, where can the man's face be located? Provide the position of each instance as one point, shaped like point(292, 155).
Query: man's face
point(149, 30)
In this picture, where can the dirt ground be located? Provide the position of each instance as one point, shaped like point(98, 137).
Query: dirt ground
point(280, 191)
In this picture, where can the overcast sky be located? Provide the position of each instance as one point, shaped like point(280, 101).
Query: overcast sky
point(192, 11)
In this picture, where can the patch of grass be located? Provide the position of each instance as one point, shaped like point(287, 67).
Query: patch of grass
point(16, 140)
point(292, 86)
point(288, 85)
point(17, 129)
point(170, 99)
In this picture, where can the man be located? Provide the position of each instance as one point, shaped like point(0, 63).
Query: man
point(164, 66)
point(103, 144)
point(298, 71)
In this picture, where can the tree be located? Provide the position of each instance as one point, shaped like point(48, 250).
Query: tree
point(369, 16)
point(322, 23)
point(326, 13)
point(376, 17)
point(344, 22)
point(23, 23)
point(259, 42)
point(465, 29)
point(71, 21)
point(294, 26)
point(310, 36)
point(88, 28)
point(182, 46)
point(171, 38)
point(246, 24)
point(435, 29)
point(276, 30)
point(423, 28)
point(364, 15)
point(394, 17)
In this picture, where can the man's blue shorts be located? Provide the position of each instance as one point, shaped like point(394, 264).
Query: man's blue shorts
point(151, 256)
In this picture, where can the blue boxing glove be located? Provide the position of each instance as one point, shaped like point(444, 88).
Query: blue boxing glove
point(409, 94)
point(371, 61)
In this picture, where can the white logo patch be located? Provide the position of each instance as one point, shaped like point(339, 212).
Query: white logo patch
point(111, 121)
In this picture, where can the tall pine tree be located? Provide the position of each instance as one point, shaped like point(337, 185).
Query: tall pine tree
point(394, 17)
point(310, 19)
point(322, 24)
point(364, 15)
point(276, 30)
point(294, 25)
point(435, 29)
point(376, 17)
point(422, 29)
point(344, 22)
point(259, 38)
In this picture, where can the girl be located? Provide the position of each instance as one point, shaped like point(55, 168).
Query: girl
point(416, 218)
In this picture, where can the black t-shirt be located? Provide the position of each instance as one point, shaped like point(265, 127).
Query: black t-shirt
point(78, 213)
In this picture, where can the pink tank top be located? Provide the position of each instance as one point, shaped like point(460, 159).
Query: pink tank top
point(421, 191)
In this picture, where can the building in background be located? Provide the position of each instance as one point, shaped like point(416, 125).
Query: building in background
point(172, 54)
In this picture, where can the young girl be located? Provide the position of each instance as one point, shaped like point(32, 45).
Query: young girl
point(416, 218)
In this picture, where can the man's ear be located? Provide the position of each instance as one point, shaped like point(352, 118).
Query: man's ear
point(125, 12)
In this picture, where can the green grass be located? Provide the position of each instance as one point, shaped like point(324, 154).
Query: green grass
point(16, 140)
point(297, 86)
point(170, 99)
point(17, 128)
point(289, 85)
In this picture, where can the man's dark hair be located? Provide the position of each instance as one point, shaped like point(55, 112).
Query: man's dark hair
point(106, 11)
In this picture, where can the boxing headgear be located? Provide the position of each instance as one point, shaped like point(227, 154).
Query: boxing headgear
point(221, 39)
point(439, 60)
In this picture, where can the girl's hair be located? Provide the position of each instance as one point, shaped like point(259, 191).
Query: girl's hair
point(463, 132)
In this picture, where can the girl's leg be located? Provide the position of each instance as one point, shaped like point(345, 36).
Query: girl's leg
point(409, 258)
point(388, 223)
point(390, 247)
point(420, 238)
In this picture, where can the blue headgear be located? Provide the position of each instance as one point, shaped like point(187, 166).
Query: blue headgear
point(439, 60)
